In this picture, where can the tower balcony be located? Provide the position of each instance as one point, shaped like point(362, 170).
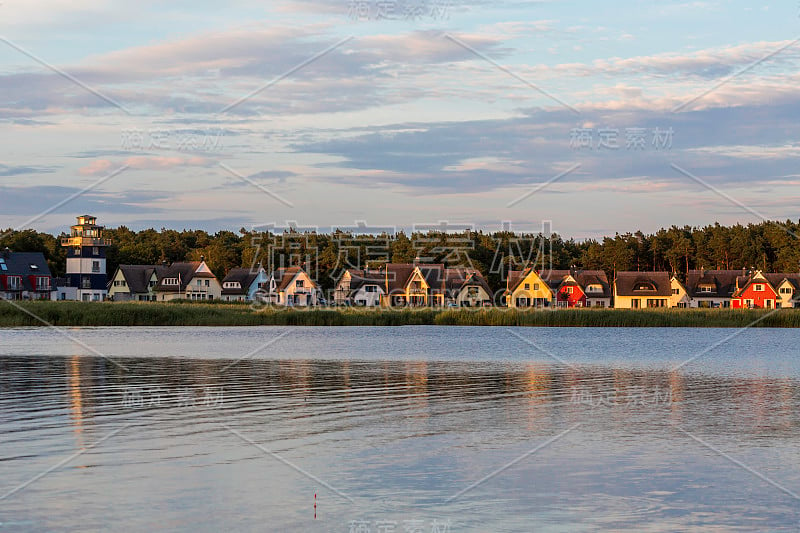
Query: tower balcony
point(85, 241)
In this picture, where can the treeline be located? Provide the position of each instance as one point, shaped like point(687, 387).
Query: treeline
point(771, 246)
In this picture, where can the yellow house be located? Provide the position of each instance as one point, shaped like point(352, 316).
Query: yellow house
point(527, 289)
point(639, 290)
point(680, 296)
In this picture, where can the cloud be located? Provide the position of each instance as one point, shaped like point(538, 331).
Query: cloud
point(104, 166)
point(31, 200)
point(21, 170)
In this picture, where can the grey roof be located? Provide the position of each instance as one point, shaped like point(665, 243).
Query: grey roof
point(723, 281)
point(184, 271)
point(245, 277)
point(137, 277)
point(359, 278)
point(24, 264)
point(456, 279)
point(627, 282)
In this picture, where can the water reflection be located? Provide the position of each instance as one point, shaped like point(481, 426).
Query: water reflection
point(401, 437)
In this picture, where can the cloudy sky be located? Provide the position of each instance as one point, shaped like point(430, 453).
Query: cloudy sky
point(599, 116)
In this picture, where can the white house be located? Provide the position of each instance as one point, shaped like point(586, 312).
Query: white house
point(293, 287)
point(191, 281)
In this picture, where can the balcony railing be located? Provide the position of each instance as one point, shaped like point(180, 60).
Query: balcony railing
point(84, 241)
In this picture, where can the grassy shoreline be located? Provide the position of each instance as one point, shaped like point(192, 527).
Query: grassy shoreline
point(23, 314)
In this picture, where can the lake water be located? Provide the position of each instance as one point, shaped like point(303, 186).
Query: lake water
point(399, 429)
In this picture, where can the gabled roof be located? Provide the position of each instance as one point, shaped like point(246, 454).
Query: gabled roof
point(184, 271)
point(137, 277)
point(515, 277)
point(284, 276)
point(593, 277)
point(626, 281)
point(24, 264)
point(245, 277)
point(434, 275)
point(359, 278)
point(777, 278)
point(395, 276)
point(583, 278)
point(457, 279)
point(773, 279)
point(723, 281)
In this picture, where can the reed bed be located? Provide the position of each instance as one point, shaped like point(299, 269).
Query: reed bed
point(23, 314)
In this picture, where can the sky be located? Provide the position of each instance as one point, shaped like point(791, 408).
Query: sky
point(600, 117)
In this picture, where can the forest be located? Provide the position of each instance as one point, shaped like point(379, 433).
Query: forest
point(769, 246)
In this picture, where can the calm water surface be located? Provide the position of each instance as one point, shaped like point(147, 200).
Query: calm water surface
point(399, 429)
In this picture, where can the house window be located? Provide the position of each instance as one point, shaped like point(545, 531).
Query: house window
point(14, 283)
point(95, 250)
point(748, 303)
point(644, 287)
point(199, 282)
point(636, 303)
point(758, 287)
point(568, 290)
point(42, 283)
point(527, 286)
point(86, 282)
point(371, 288)
point(676, 291)
point(95, 266)
point(300, 284)
point(656, 302)
point(705, 288)
point(786, 290)
point(536, 286)
point(207, 283)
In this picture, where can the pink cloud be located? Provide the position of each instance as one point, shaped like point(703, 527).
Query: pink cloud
point(102, 166)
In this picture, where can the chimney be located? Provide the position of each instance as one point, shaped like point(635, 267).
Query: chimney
point(202, 258)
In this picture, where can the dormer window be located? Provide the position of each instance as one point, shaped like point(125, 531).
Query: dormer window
point(34, 267)
point(644, 286)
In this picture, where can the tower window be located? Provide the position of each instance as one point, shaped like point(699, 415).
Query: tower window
point(95, 266)
point(95, 250)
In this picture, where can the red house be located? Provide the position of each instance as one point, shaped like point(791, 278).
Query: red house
point(754, 292)
point(24, 276)
point(579, 288)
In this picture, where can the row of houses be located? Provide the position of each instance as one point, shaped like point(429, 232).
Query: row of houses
point(737, 289)
point(25, 275)
point(436, 285)
point(194, 281)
